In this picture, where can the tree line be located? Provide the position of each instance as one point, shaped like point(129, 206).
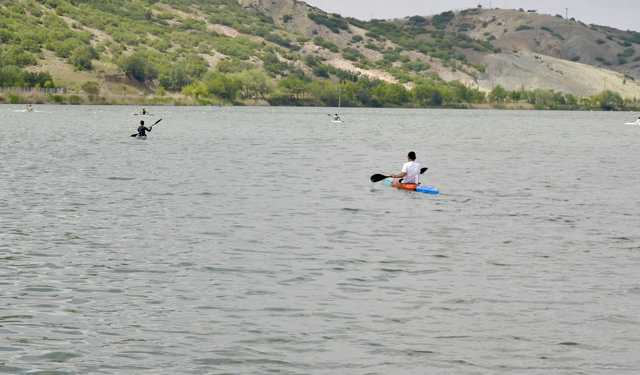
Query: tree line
point(298, 89)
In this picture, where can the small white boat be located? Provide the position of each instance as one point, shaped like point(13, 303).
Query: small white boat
point(340, 121)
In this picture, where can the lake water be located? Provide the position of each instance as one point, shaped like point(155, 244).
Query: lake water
point(249, 240)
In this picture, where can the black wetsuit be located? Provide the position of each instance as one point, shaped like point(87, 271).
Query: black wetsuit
point(142, 129)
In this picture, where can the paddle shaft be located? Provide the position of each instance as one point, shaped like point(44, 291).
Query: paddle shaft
point(379, 177)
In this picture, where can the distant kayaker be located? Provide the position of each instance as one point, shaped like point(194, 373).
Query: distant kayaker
point(410, 170)
point(144, 112)
point(638, 120)
point(29, 108)
point(143, 129)
point(336, 118)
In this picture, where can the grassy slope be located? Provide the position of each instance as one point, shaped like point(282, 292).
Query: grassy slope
point(212, 30)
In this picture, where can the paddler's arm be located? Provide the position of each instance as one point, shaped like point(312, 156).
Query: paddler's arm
point(402, 174)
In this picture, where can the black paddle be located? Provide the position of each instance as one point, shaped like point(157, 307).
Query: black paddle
point(135, 135)
point(379, 177)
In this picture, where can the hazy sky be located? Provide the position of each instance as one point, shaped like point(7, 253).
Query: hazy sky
point(621, 14)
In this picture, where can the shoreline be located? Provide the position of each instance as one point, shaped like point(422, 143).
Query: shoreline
point(37, 98)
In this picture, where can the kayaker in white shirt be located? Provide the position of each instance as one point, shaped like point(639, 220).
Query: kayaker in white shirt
point(410, 171)
point(638, 120)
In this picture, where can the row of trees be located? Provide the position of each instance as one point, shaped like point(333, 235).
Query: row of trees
point(606, 99)
point(13, 76)
point(299, 90)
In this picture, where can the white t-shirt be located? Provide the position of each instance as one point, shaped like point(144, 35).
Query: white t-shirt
point(412, 169)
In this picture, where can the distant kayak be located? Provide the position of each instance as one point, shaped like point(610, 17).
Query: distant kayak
point(139, 114)
point(139, 137)
point(393, 182)
point(340, 121)
point(631, 123)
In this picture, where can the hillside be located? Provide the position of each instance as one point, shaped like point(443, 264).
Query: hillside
point(279, 49)
point(554, 52)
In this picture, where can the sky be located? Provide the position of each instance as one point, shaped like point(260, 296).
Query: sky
point(621, 14)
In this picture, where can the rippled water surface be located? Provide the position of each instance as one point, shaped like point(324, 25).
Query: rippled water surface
point(250, 241)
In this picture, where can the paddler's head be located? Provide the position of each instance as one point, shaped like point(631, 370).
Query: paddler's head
point(141, 123)
point(411, 156)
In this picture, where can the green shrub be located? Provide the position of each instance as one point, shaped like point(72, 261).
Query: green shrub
point(371, 46)
point(75, 99)
point(372, 34)
point(91, 87)
point(523, 27)
point(275, 38)
point(82, 56)
point(479, 67)
point(417, 20)
point(627, 52)
point(416, 66)
point(319, 41)
point(350, 57)
point(440, 21)
point(56, 98)
point(321, 71)
point(15, 99)
point(311, 61)
point(334, 24)
point(137, 66)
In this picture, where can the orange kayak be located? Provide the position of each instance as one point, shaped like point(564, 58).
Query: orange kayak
point(394, 182)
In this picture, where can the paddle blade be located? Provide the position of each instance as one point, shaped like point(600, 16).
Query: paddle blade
point(134, 135)
point(378, 177)
point(157, 122)
point(423, 170)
